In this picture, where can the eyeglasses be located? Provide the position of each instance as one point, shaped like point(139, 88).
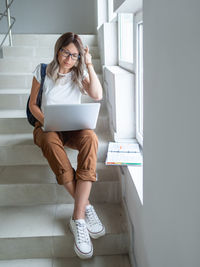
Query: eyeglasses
point(65, 53)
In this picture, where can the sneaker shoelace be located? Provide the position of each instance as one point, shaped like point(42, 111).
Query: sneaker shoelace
point(92, 217)
point(82, 234)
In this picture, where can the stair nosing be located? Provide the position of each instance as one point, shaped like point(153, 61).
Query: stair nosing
point(100, 208)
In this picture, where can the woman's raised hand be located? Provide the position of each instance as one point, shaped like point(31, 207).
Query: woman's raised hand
point(87, 55)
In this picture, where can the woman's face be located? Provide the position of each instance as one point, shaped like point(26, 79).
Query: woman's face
point(65, 60)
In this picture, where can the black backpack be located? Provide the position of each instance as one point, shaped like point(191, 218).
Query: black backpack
point(32, 120)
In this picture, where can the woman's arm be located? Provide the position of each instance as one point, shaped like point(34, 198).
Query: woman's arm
point(35, 110)
point(92, 84)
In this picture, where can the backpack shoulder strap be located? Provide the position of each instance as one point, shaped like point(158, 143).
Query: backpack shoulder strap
point(43, 74)
point(43, 71)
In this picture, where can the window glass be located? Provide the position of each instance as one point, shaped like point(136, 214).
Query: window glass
point(126, 37)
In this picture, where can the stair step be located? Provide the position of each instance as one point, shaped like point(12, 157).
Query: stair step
point(21, 80)
point(15, 121)
point(10, 92)
point(16, 80)
point(19, 149)
point(24, 236)
point(42, 174)
point(28, 262)
point(40, 52)
point(19, 184)
point(96, 261)
point(12, 65)
point(14, 98)
point(17, 98)
point(48, 40)
point(40, 194)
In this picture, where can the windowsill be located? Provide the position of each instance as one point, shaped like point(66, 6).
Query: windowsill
point(127, 66)
point(136, 173)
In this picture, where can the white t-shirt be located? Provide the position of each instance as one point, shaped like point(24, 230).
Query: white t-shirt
point(62, 92)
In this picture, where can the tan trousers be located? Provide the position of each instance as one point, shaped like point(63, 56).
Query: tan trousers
point(52, 145)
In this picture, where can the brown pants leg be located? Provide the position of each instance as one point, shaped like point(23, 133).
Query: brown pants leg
point(52, 146)
point(86, 142)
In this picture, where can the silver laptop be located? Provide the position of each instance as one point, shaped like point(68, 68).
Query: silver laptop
point(71, 117)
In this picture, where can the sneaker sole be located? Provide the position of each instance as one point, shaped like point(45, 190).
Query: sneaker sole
point(78, 252)
point(97, 235)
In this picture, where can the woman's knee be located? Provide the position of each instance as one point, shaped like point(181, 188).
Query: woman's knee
point(90, 136)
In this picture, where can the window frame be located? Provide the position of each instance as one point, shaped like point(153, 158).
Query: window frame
point(124, 64)
point(138, 21)
point(112, 16)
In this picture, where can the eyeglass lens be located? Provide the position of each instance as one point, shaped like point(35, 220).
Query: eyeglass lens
point(67, 54)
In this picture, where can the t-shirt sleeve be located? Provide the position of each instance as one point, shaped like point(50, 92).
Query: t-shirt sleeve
point(37, 73)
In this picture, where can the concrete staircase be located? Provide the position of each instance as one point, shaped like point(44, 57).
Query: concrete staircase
point(34, 209)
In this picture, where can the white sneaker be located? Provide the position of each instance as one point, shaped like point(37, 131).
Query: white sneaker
point(94, 225)
point(82, 245)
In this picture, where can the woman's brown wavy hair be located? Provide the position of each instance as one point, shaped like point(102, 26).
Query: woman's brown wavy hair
point(78, 68)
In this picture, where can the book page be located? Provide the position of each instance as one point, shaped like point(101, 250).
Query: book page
point(115, 158)
point(123, 147)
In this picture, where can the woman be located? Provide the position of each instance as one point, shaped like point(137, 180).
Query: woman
point(64, 83)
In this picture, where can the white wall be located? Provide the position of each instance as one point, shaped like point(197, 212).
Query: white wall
point(167, 226)
point(50, 16)
point(102, 12)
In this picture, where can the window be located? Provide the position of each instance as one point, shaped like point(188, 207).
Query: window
point(125, 30)
point(139, 78)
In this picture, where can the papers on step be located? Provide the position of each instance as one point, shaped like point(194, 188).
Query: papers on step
point(123, 154)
